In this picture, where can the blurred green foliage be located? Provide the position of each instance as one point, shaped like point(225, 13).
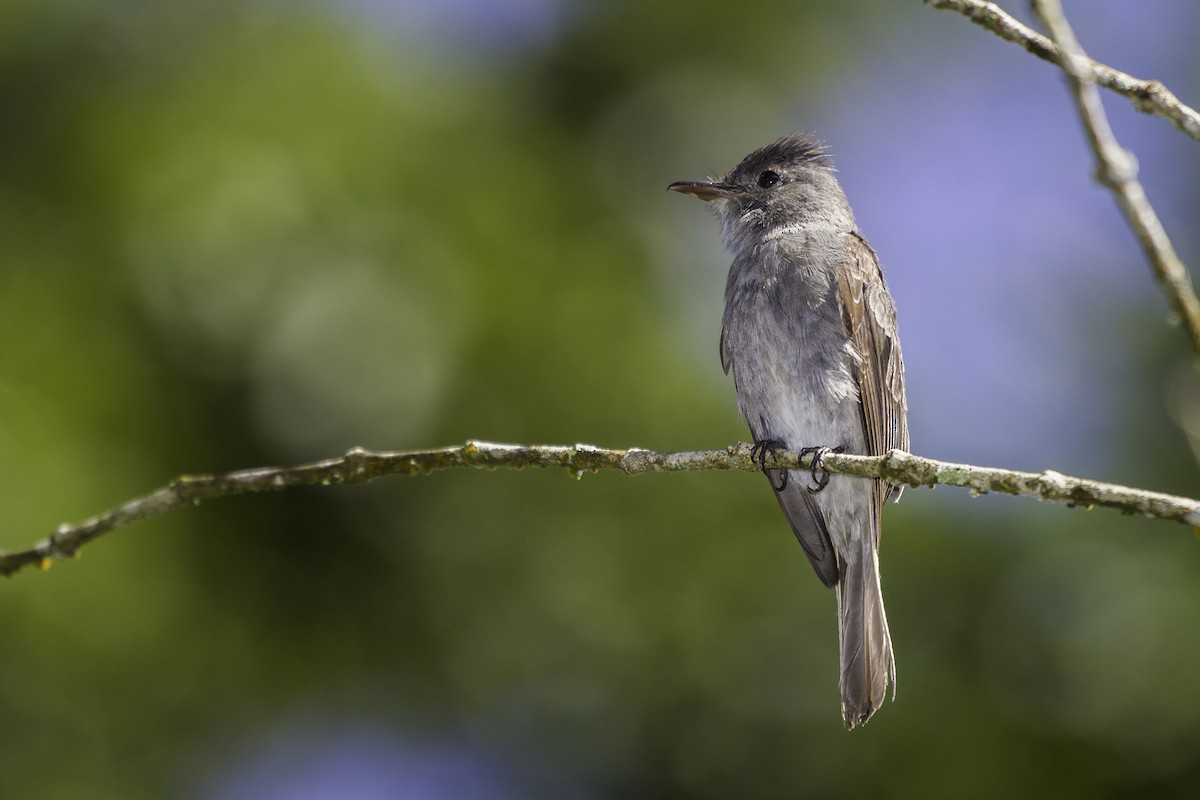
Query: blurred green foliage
point(245, 234)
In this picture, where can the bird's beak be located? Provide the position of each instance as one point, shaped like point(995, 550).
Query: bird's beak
point(707, 190)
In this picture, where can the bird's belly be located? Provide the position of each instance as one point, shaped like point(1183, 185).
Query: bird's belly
point(801, 391)
point(796, 384)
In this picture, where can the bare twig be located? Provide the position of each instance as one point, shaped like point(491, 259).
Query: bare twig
point(1147, 96)
point(364, 466)
point(1117, 170)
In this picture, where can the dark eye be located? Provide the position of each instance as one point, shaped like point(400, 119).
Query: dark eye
point(768, 178)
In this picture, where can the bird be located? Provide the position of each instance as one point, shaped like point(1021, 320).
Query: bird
point(809, 334)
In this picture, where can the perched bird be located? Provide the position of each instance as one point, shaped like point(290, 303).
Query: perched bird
point(810, 334)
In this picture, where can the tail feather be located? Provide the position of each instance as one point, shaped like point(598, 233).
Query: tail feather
point(866, 645)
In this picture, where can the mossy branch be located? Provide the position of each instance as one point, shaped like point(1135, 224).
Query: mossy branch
point(364, 466)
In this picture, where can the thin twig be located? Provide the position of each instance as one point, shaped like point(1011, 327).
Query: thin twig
point(1117, 170)
point(364, 466)
point(1147, 96)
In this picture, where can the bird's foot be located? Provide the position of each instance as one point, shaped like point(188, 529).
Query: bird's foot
point(820, 475)
point(759, 453)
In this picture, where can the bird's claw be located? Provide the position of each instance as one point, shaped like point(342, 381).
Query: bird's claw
point(820, 481)
point(759, 453)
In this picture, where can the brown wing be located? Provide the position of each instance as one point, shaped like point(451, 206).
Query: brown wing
point(870, 318)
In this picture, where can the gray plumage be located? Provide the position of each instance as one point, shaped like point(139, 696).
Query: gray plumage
point(809, 333)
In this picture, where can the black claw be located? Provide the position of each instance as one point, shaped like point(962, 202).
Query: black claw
point(759, 453)
point(818, 454)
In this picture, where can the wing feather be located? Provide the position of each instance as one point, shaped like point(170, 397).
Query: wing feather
point(870, 318)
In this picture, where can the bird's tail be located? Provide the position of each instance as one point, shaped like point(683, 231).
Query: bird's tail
point(866, 645)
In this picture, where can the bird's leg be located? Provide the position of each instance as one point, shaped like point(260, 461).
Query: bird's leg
point(759, 453)
point(818, 456)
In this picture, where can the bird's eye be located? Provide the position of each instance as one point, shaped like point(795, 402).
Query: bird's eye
point(768, 178)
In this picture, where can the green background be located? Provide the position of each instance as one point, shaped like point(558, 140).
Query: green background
point(246, 234)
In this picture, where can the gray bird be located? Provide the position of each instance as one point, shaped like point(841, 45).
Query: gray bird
point(810, 334)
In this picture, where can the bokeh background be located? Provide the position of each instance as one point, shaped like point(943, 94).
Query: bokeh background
point(246, 233)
